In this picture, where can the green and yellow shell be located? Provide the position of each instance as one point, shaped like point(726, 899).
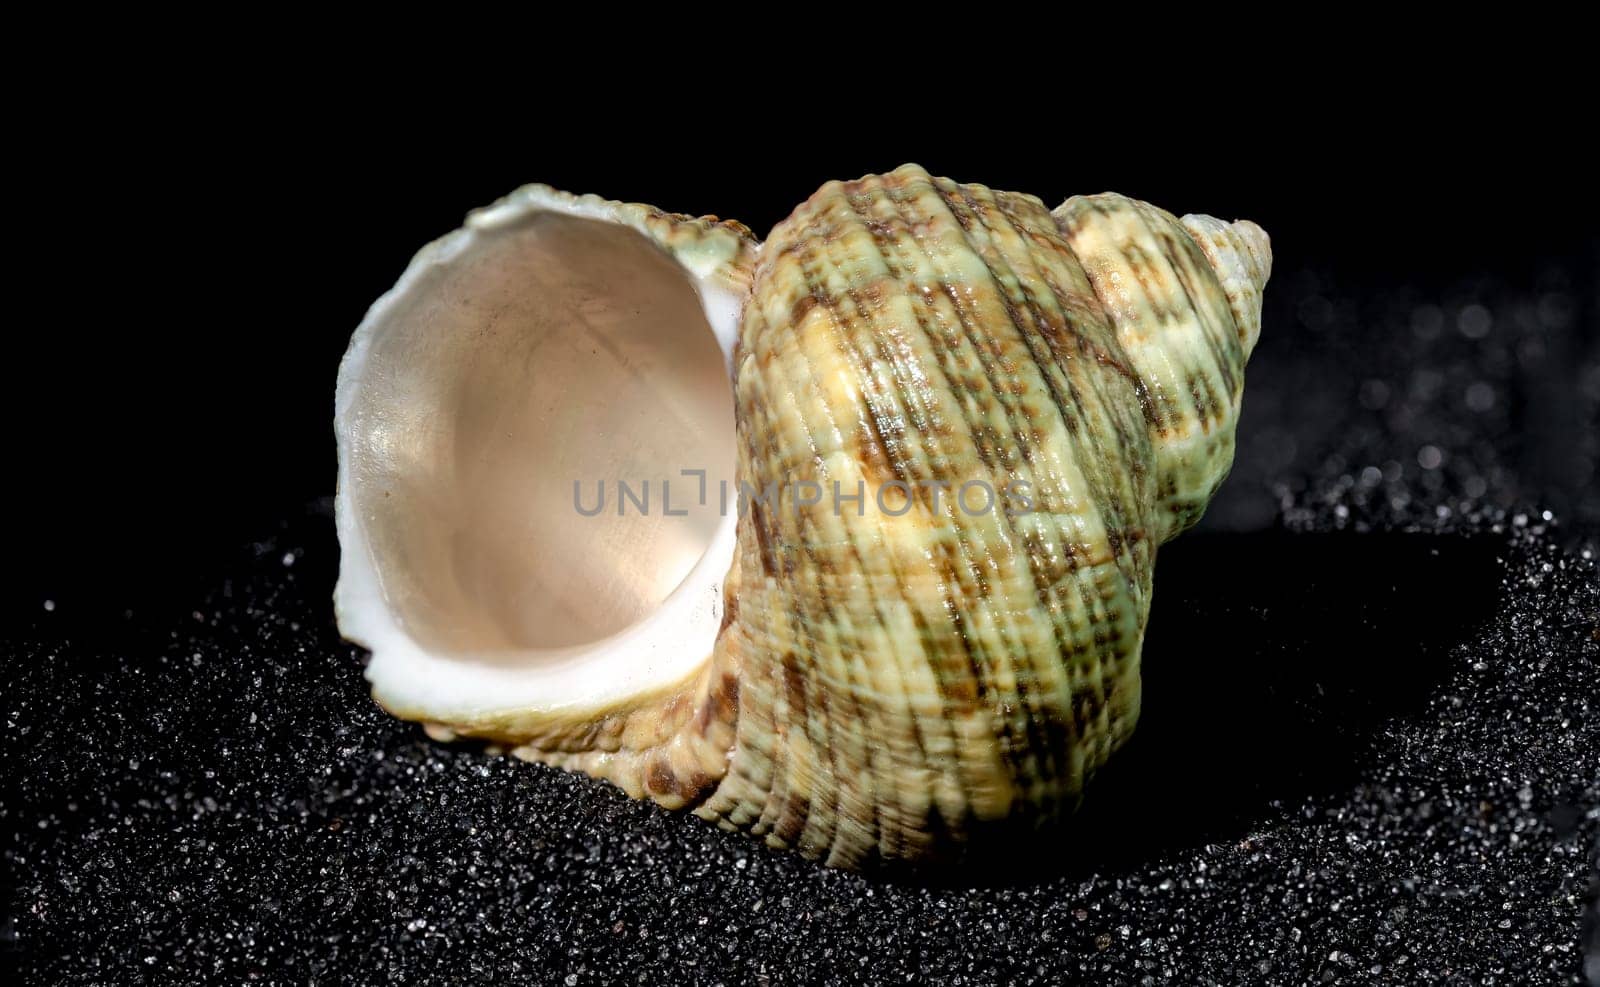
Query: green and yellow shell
point(955, 426)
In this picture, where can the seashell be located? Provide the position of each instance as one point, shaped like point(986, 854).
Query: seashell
point(957, 428)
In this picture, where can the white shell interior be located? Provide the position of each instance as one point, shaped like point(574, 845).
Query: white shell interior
point(545, 345)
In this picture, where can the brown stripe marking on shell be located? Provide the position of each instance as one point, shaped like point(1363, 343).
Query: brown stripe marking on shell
point(1037, 719)
point(965, 694)
point(1043, 321)
point(957, 672)
point(986, 667)
point(881, 428)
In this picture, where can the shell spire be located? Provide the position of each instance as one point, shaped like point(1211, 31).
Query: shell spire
point(965, 422)
point(1240, 253)
point(1185, 298)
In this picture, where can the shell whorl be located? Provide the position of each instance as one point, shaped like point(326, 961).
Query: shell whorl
point(902, 677)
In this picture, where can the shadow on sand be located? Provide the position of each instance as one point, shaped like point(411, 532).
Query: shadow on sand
point(1270, 662)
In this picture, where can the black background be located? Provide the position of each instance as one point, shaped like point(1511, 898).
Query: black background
point(199, 257)
point(199, 240)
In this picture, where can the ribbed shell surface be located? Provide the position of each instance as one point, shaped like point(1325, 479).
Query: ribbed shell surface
point(965, 423)
point(994, 383)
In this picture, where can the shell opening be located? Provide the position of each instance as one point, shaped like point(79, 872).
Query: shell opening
point(521, 374)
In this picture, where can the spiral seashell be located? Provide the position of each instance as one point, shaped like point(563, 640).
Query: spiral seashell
point(964, 422)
